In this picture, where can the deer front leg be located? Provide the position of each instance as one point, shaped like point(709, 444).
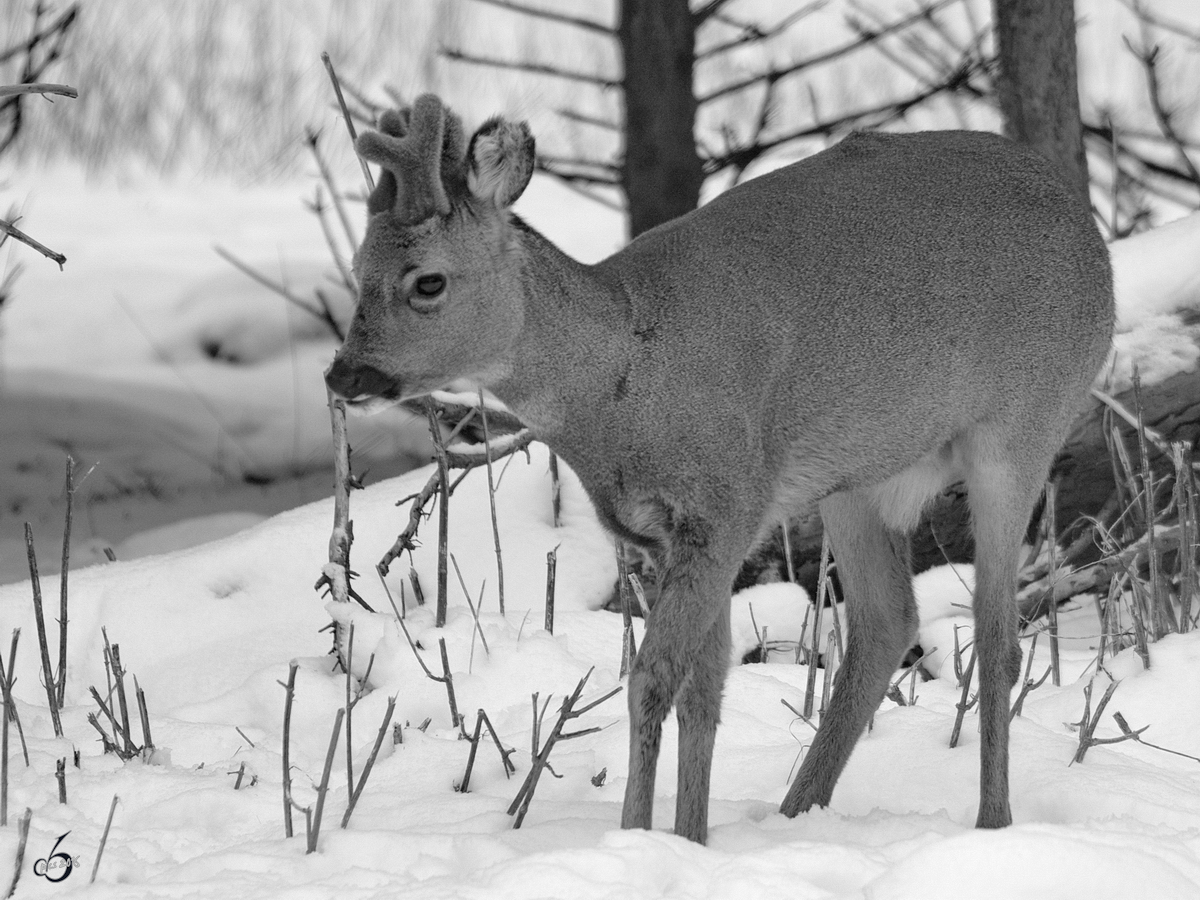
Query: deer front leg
point(683, 657)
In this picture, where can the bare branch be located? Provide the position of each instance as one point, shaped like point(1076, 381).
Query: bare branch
point(61, 24)
point(1158, 21)
point(552, 16)
point(573, 116)
point(11, 230)
point(1147, 55)
point(532, 68)
point(63, 90)
point(325, 315)
point(576, 178)
point(828, 56)
point(872, 117)
point(709, 9)
point(753, 34)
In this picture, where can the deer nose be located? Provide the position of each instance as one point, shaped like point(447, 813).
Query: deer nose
point(355, 382)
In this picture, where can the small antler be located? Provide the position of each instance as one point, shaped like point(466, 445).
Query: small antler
point(410, 148)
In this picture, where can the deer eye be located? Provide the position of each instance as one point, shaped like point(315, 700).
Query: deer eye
point(430, 285)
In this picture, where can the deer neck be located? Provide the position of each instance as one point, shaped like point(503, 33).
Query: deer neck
point(574, 343)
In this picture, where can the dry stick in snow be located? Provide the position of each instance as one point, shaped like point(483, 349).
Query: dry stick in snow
point(831, 655)
point(628, 644)
point(370, 763)
point(114, 655)
point(1051, 531)
point(963, 703)
point(103, 839)
point(1181, 456)
point(119, 736)
point(474, 607)
point(446, 677)
point(555, 490)
point(481, 720)
point(19, 861)
point(1162, 614)
point(144, 715)
point(551, 574)
point(415, 581)
point(1136, 735)
point(60, 775)
point(62, 596)
point(9, 680)
point(290, 689)
point(443, 471)
point(315, 831)
point(349, 717)
point(1028, 685)
point(1087, 724)
point(567, 712)
point(336, 574)
point(487, 453)
point(47, 671)
point(810, 689)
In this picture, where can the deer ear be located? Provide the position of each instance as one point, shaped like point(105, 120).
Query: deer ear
point(500, 161)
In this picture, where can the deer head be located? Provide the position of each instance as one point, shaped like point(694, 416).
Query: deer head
point(438, 271)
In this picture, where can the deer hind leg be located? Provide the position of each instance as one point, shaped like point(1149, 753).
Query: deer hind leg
point(1003, 483)
point(873, 564)
point(683, 656)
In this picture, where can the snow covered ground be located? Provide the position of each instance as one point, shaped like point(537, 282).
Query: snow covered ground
point(209, 633)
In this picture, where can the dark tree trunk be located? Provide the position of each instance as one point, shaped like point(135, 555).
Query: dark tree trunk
point(1038, 87)
point(662, 173)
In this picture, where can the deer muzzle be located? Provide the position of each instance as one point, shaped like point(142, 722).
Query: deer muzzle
point(359, 383)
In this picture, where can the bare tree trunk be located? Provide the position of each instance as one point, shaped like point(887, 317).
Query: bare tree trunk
point(662, 173)
point(1038, 87)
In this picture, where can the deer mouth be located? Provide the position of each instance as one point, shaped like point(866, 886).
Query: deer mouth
point(370, 405)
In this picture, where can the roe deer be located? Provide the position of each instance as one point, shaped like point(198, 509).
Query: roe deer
point(858, 330)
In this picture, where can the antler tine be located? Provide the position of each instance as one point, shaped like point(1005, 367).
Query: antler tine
point(413, 158)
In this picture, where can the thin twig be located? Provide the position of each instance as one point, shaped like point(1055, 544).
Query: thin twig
point(370, 763)
point(487, 453)
point(61, 90)
point(290, 689)
point(349, 120)
point(47, 671)
point(12, 231)
point(567, 712)
point(552, 16)
point(963, 703)
point(315, 831)
point(551, 574)
point(103, 840)
point(62, 594)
